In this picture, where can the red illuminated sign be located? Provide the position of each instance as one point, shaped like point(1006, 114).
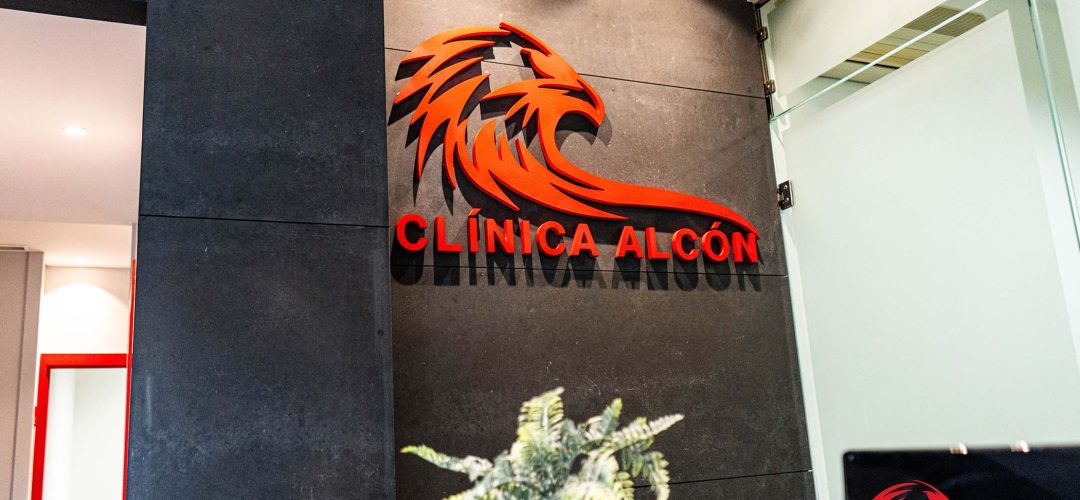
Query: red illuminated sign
point(498, 166)
point(914, 490)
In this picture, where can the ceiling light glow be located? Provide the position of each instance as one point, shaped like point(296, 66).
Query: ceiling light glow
point(74, 131)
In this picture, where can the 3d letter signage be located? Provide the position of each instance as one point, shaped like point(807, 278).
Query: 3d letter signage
point(547, 239)
point(499, 166)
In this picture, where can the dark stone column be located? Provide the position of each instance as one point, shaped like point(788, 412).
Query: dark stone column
point(261, 351)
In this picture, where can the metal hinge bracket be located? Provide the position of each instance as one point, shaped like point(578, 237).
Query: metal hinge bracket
point(763, 34)
point(783, 195)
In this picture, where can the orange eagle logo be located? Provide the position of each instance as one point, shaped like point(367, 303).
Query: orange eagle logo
point(444, 97)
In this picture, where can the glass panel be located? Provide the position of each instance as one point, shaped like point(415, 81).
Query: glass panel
point(933, 251)
point(84, 443)
point(879, 57)
point(1056, 30)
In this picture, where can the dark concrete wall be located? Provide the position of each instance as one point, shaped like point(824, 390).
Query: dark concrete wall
point(261, 352)
point(473, 337)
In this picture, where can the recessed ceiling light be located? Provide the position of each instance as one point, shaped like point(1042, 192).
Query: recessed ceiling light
point(74, 131)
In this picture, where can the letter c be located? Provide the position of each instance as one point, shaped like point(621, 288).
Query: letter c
point(677, 244)
point(542, 239)
point(403, 239)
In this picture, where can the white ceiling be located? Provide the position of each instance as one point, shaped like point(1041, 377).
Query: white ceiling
point(57, 72)
point(71, 245)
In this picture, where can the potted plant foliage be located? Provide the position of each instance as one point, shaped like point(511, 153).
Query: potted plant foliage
point(554, 458)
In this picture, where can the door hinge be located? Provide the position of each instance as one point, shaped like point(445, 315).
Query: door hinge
point(783, 195)
point(763, 34)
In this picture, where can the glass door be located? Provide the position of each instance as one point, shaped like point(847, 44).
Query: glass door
point(933, 244)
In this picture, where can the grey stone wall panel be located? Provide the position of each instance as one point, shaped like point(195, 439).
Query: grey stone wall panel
point(261, 362)
point(470, 344)
point(266, 111)
point(701, 44)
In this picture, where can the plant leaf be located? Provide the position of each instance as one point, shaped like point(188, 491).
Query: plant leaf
point(473, 466)
point(604, 424)
point(640, 433)
point(540, 463)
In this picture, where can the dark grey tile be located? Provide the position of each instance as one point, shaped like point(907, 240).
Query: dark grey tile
point(704, 144)
point(261, 362)
point(703, 44)
point(471, 344)
point(789, 486)
point(267, 111)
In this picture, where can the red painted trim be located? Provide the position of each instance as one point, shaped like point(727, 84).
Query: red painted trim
point(41, 413)
point(127, 400)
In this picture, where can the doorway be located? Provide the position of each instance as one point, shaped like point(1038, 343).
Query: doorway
point(72, 99)
point(80, 427)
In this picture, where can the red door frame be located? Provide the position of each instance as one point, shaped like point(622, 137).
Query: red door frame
point(127, 394)
point(41, 413)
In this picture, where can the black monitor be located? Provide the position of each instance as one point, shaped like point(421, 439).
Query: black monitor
point(990, 474)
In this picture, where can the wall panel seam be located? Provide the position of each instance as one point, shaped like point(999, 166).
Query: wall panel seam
point(572, 270)
point(621, 79)
point(266, 221)
point(732, 478)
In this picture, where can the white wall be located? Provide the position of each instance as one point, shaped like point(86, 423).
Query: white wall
point(84, 457)
point(926, 245)
point(85, 310)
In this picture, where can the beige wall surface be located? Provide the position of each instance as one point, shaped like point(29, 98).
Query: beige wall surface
point(20, 291)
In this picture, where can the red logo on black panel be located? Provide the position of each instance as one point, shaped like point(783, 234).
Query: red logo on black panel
point(913, 490)
point(446, 84)
point(494, 165)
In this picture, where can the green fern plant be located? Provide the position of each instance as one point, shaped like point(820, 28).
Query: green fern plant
point(541, 462)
